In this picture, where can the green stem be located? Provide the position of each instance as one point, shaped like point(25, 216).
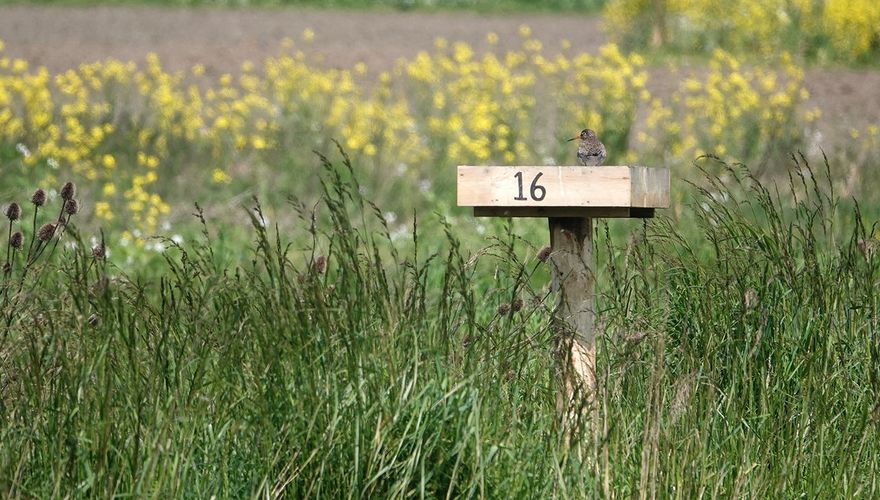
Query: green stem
point(33, 232)
point(9, 241)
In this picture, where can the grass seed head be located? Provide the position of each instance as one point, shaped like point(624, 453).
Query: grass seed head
point(68, 191)
point(46, 231)
point(13, 211)
point(635, 337)
point(750, 299)
point(39, 198)
point(16, 240)
point(867, 247)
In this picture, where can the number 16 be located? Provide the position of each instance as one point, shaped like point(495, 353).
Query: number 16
point(533, 189)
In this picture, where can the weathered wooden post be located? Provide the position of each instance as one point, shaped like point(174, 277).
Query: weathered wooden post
point(570, 197)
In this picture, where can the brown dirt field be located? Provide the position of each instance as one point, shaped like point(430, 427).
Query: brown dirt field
point(221, 39)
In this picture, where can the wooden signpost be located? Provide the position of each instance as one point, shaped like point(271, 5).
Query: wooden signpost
point(570, 197)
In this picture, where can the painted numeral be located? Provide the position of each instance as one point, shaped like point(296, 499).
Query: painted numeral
point(536, 191)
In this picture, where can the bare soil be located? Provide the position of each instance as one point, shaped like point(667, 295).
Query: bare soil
point(222, 39)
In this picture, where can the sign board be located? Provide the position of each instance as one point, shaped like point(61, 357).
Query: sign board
point(561, 191)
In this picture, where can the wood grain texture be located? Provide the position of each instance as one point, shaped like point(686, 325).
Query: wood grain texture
point(564, 186)
point(571, 242)
point(649, 187)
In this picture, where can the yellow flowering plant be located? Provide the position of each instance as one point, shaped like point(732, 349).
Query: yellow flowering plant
point(847, 30)
point(127, 133)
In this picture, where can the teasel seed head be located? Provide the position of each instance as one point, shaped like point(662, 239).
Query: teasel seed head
point(39, 198)
point(68, 191)
point(544, 254)
point(71, 206)
point(46, 231)
point(13, 211)
point(16, 240)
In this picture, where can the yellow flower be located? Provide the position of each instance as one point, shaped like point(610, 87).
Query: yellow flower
point(492, 38)
point(19, 66)
point(308, 35)
point(103, 211)
point(220, 177)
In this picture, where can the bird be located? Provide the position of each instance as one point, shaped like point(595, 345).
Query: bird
point(591, 151)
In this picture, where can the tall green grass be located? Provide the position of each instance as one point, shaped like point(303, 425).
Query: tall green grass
point(738, 355)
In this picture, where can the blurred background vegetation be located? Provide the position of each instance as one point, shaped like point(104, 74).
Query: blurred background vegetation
point(476, 5)
point(266, 288)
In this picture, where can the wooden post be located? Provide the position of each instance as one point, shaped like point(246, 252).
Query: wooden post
point(571, 241)
point(570, 197)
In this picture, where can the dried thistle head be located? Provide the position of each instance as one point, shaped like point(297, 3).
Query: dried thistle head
point(38, 198)
point(544, 254)
point(99, 251)
point(503, 308)
point(71, 207)
point(13, 211)
point(68, 191)
point(46, 232)
point(16, 240)
point(517, 304)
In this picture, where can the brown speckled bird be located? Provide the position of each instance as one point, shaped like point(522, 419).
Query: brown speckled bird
point(591, 151)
